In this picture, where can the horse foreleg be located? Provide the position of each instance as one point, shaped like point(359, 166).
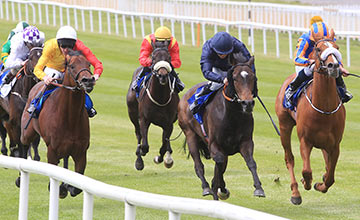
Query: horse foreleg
point(144, 128)
point(329, 176)
point(4, 150)
point(305, 150)
point(246, 152)
point(218, 183)
point(290, 163)
point(165, 148)
point(80, 165)
point(35, 145)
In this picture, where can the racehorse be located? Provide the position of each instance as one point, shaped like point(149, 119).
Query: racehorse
point(14, 105)
point(157, 104)
point(228, 128)
point(63, 122)
point(319, 118)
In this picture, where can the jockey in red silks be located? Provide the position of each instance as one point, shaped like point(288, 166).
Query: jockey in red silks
point(304, 66)
point(161, 38)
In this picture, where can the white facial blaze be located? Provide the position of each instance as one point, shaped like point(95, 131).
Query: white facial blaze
point(244, 74)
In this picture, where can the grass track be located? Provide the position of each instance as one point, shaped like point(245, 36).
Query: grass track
point(111, 155)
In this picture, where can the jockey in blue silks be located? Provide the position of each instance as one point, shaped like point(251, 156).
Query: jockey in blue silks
point(304, 66)
point(215, 63)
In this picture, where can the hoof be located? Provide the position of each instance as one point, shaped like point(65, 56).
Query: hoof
point(223, 195)
point(296, 200)
point(259, 193)
point(37, 158)
point(139, 164)
point(63, 191)
point(207, 191)
point(4, 152)
point(158, 160)
point(316, 187)
point(306, 186)
point(168, 162)
point(73, 190)
point(17, 182)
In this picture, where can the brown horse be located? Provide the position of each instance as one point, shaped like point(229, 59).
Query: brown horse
point(228, 123)
point(14, 105)
point(157, 104)
point(63, 122)
point(319, 118)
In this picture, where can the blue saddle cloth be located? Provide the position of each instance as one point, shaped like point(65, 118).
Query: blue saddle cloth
point(3, 74)
point(141, 82)
point(201, 102)
point(294, 100)
point(38, 102)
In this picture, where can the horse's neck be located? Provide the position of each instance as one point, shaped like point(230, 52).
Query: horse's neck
point(161, 92)
point(324, 92)
point(73, 100)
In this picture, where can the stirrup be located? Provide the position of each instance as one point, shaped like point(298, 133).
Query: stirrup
point(31, 109)
point(347, 97)
point(92, 112)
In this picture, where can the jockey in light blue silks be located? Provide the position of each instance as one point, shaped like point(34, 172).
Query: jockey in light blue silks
point(215, 63)
point(304, 66)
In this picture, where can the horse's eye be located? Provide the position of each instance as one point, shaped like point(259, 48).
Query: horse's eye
point(72, 67)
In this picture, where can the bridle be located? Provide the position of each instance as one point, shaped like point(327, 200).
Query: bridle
point(75, 77)
point(27, 72)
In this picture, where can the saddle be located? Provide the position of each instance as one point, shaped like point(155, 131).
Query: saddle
point(142, 82)
point(38, 102)
point(6, 83)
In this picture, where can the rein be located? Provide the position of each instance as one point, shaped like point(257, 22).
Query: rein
point(171, 86)
point(235, 99)
point(319, 110)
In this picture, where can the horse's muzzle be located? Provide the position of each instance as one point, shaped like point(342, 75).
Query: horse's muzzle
point(163, 79)
point(333, 69)
point(247, 105)
point(87, 84)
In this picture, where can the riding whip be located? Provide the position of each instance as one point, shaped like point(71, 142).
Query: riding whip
point(352, 74)
point(272, 121)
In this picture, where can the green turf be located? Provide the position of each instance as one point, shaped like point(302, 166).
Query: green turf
point(111, 155)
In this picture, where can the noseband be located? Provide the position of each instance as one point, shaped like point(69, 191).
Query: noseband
point(323, 55)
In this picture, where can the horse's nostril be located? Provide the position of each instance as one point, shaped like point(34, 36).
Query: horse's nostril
point(330, 65)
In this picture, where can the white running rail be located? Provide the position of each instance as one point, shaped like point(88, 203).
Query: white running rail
point(132, 198)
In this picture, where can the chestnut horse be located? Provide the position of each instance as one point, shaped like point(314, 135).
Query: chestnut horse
point(157, 104)
point(63, 122)
point(229, 125)
point(319, 118)
point(14, 105)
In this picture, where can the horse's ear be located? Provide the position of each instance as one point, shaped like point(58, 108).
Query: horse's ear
point(251, 60)
point(332, 34)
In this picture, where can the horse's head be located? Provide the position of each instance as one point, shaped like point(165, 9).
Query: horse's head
point(241, 80)
point(78, 68)
point(327, 56)
point(159, 54)
point(34, 55)
point(161, 70)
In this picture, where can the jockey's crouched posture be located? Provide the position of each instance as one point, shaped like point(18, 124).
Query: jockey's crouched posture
point(161, 38)
point(51, 65)
point(215, 63)
point(20, 45)
point(304, 66)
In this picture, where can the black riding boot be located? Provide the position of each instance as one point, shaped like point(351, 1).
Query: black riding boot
point(179, 85)
point(195, 106)
point(294, 85)
point(134, 85)
point(32, 107)
point(347, 95)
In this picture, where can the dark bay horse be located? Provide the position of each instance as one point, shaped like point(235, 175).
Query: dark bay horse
point(63, 122)
point(319, 119)
point(157, 104)
point(14, 105)
point(228, 123)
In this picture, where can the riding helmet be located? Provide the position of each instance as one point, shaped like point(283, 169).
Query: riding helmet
point(66, 37)
point(222, 43)
point(31, 35)
point(318, 31)
point(162, 33)
point(315, 19)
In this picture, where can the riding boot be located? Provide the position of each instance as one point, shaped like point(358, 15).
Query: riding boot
point(89, 106)
point(135, 85)
point(294, 85)
point(179, 85)
point(32, 106)
point(195, 106)
point(344, 93)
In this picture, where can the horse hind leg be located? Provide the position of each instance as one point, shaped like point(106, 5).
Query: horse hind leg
point(35, 145)
point(247, 153)
point(329, 177)
point(165, 149)
point(3, 133)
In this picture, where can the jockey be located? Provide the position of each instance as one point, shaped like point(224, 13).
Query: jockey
point(21, 44)
point(215, 62)
point(5, 50)
point(161, 38)
point(51, 65)
point(304, 66)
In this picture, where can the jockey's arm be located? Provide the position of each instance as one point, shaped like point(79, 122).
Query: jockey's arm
point(300, 53)
point(145, 52)
point(5, 51)
point(98, 67)
point(174, 54)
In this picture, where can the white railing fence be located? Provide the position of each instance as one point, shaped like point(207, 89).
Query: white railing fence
point(266, 13)
point(87, 21)
point(132, 198)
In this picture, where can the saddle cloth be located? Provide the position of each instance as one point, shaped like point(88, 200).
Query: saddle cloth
point(201, 102)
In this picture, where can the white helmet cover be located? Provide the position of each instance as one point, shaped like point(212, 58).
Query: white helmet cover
point(66, 32)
